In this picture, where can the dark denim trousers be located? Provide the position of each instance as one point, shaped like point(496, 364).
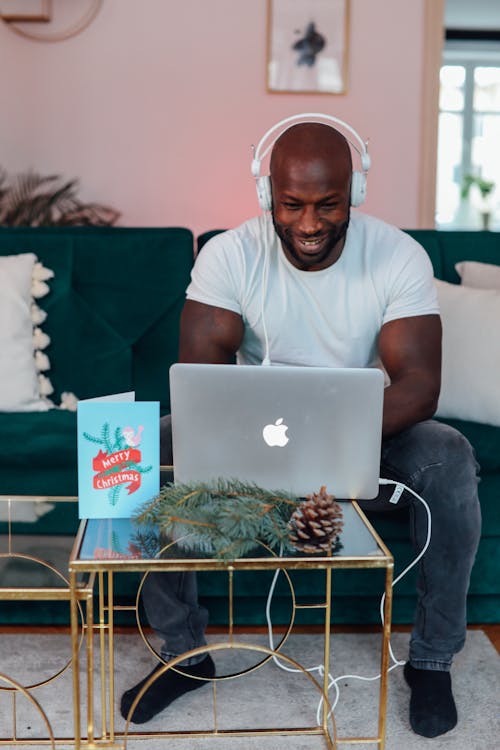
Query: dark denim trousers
point(438, 463)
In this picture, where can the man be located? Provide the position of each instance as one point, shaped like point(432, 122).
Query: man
point(324, 289)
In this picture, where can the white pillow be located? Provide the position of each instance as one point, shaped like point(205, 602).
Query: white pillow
point(478, 275)
point(23, 387)
point(470, 387)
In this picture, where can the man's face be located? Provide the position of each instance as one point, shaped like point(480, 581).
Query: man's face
point(311, 209)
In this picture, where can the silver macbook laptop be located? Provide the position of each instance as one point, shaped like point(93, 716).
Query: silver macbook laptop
point(290, 428)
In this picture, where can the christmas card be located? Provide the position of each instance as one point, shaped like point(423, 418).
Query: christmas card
point(118, 456)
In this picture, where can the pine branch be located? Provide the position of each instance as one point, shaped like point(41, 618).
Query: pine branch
point(192, 496)
point(115, 542)
point(137, 467)
point(147, 541)
point(226, 517)
point(106, 437)
point(93, 439)
point(114, 494)
point(118, 440)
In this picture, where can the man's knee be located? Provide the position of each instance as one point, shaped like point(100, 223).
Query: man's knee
point(447, 439)
point(448, 449)
point(437, 462)
point(427, 444)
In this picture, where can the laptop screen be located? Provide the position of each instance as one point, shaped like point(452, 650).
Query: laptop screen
point(287, 428)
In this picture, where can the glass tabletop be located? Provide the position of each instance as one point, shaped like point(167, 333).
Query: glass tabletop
point(30, 560)
point(122, 540)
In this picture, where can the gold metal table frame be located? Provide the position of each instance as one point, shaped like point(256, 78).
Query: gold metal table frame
point(85, 567)
point(59, 591)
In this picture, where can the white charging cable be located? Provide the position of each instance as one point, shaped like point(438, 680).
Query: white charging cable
point(264, 284)
point(399, 488)
point(265, 276)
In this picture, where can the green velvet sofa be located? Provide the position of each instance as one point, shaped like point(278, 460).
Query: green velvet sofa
point(113, 313)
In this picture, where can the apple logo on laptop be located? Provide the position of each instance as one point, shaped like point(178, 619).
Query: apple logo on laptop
point(274, 434)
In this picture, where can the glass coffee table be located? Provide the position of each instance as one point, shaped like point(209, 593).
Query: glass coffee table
point(107, 548)
point(33, 576)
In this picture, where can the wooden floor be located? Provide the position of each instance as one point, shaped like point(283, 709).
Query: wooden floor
point(492, 631)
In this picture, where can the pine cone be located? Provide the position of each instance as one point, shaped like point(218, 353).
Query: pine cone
point(316, 523)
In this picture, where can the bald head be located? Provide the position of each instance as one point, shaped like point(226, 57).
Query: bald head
point(312, 143)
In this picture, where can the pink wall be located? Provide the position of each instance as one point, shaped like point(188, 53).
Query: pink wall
point(154, 107)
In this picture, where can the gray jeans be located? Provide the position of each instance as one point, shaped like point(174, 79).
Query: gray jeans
point(438, 463)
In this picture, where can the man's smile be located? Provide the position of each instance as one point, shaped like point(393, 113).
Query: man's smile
point(310, 244)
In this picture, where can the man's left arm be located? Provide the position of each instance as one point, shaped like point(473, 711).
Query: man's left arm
point(410, 350)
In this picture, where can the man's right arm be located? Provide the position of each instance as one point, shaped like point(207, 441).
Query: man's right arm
point(210, 335)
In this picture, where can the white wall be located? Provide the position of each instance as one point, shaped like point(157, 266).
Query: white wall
point(154, 107)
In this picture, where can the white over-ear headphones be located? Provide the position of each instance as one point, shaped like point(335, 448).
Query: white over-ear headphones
point(263, 183)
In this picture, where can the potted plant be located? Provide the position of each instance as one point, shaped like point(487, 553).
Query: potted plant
point(30, 199)
point(485, 189)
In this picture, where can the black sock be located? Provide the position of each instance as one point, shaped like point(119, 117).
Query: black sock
point(165, 689)
point(432, 707)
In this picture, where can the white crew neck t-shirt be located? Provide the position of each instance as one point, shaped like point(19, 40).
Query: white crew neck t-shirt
point(327, 318)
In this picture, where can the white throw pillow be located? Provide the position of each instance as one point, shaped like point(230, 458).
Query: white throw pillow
point(470, 387)
point(23, 387)
point(478, 275)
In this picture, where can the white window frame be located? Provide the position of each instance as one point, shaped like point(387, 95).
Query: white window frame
point(470, 54)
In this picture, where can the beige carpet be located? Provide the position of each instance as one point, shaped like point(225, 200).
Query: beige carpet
point(266, 696)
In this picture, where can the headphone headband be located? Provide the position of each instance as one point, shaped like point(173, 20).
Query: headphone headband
point(362, 149)
point(358, 187)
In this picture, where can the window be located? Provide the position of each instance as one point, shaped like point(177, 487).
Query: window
point(468, 169)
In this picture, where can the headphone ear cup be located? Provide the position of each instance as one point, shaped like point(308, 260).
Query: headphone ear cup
point(358, 189)
point(263, 185)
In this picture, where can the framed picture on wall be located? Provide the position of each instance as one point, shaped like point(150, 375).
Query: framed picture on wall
point(26, 10)
point(307, 46)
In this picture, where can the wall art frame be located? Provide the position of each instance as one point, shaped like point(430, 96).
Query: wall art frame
point(308, 46)
point(21, 11)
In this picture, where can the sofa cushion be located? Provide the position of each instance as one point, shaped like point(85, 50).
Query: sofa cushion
point(470, 387)
point(21, 339)
point(479, 275)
